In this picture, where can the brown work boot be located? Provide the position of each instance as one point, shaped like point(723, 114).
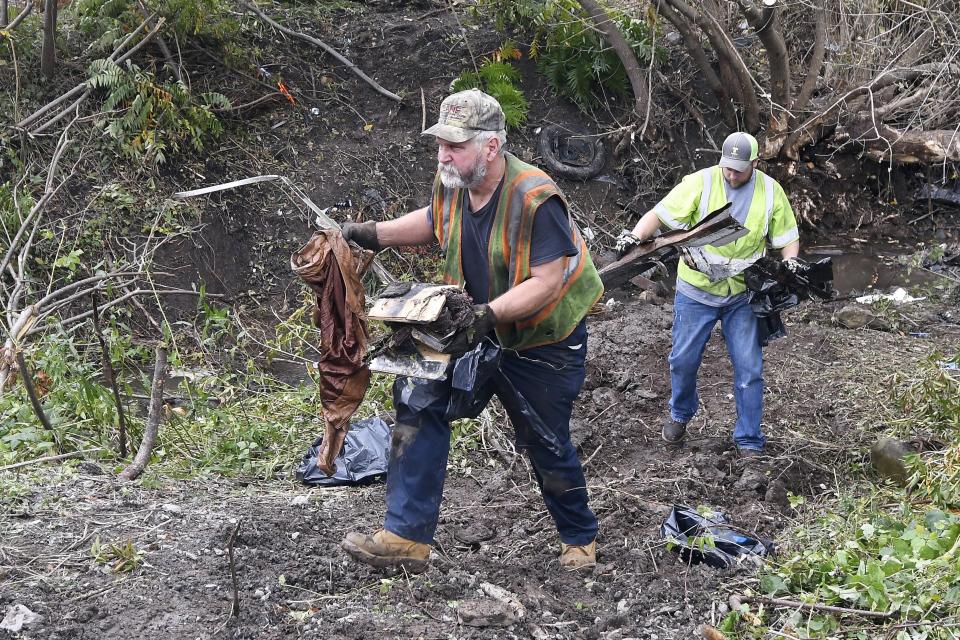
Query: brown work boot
point(574, 557)
point(386, 549)
point(672, 431)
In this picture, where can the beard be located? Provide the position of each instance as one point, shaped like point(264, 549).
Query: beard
point(452, 178)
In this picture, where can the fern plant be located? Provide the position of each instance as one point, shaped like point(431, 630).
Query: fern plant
point(497, 77)
point(149, 120)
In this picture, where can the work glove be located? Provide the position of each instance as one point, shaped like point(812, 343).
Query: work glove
point(482, 321)
point(363, 234)
point(625, 242)
point(792, 265)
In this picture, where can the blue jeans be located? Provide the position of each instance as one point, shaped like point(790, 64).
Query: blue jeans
point(692, 324)
point(537, 388)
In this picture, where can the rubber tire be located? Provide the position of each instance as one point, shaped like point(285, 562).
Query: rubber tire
point(549, 135)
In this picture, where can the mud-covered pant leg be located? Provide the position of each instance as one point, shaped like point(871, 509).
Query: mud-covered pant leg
point(692, 324)
point(418, 458)
point(740, 331)
point(550, 389)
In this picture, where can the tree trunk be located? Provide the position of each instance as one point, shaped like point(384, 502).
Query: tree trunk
point(886, 144)
point(4, 13)
point(766, 25)
point(814, 65)
point(692, 42)
point(611, 33)
point(48, 53)
point(725, 52)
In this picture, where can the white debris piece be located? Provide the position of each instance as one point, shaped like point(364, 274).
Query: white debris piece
point(899, 296)
point(18, 617)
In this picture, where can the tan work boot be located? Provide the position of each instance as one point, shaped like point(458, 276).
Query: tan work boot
point(386, 549)
point(574, 557)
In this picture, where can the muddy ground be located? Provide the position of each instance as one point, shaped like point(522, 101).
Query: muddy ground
point(822, 383)
point(293, 579)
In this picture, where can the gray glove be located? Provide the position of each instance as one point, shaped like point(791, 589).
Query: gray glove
point(625, 242)
point(363, 234)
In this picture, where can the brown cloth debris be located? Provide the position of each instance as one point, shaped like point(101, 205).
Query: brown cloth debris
point(332, 269)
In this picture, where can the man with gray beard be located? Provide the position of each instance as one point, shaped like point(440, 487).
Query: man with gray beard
point(511, 243)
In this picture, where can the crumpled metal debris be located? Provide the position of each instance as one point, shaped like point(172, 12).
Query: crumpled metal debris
point(332, 269)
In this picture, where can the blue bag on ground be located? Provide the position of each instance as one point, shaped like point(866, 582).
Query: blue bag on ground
point(710, 540)
point(363, 459)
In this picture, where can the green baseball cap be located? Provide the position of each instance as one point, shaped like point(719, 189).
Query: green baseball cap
point(739, 151)
point(465, 114)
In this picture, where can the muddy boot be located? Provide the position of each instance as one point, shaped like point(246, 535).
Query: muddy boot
point(754, 476)
point(673, 431)
point(386, 549)
point(575, 557)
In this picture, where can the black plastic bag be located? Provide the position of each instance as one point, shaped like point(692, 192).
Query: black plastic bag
point(471, 372)
point(774, 287)
point(363, 459)
point(709, 540)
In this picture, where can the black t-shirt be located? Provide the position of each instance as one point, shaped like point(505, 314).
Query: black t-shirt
point(550, 240)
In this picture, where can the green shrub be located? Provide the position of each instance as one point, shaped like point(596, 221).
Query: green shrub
point(575, 59)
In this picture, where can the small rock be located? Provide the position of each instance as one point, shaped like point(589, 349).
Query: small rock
point(90, 468)
point(18, 617)
point(486, 612)
point(853, 316)
point(646, 394)
point(300, 501)
point(777, 494)
point(294, 535)
point(172, 508)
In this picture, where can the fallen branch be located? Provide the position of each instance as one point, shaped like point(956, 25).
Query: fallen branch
point(809, 606)
point(57, 458)
point(133, 471)
point(84, 86)
point(330, 50)
point(164, 49)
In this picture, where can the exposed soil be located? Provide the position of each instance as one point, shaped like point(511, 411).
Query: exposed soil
point(293, 579)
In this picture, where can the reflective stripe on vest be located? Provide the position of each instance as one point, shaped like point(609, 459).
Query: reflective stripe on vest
point(713, 258)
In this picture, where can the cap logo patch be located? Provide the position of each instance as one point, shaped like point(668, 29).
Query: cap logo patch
point(735, 150)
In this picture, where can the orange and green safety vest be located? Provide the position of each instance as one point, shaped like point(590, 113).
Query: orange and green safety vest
point(525, 188)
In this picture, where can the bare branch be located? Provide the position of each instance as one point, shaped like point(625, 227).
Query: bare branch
point(27, 378)
point(330, 50)
point(111, 379)
point(814, 65)
point(16, 21)
point(133, 471)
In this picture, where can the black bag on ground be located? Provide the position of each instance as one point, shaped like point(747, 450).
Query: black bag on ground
point(363, 459)
point(709, 539)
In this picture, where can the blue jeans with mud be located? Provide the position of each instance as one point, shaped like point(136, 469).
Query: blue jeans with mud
point(693, 323)
point(537, 387)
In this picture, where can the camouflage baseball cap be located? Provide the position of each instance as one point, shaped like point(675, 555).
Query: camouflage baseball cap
point(739, 151)
point(465, 114)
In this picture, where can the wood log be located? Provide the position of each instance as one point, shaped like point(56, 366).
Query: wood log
point(886, 144)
